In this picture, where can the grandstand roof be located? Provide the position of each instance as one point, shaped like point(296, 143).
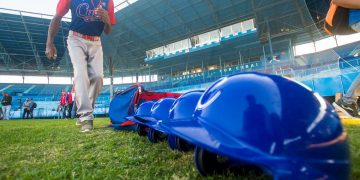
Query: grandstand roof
point(148, 24)
point(22, 42)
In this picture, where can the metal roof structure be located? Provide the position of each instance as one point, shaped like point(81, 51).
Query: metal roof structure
point(147, 24)
point(23, 43)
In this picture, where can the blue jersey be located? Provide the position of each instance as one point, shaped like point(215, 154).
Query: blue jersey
point(84, 20)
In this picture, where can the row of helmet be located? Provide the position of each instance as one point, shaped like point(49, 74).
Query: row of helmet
point(252, 122)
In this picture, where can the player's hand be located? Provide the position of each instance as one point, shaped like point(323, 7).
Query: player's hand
point(51, 52)
point(103, 15)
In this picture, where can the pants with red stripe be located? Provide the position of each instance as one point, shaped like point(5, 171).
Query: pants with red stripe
point(87, 59)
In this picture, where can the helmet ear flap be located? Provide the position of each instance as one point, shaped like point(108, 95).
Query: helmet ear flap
point(208, 163)
point(141, 129)
point(155, 136)
point(183, 145)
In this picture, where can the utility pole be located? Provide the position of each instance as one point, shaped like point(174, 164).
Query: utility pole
point(111, 71)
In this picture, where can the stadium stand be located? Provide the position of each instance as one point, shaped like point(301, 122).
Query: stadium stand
point(184, 55)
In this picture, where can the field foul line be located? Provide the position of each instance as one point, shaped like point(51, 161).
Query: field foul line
point(350, 121)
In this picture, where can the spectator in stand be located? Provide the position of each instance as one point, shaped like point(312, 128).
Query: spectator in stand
point(348, 103)
point(6, 102)
point(70, 104)
point(1, 112)
point(74, 108)
point(59, 112)
point(63, 103)
point(33, 105)
point(26, 106)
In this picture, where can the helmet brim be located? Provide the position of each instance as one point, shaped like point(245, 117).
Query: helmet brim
point(147, 121)
point(141, 120)
point(213, 140)
point(156, 126)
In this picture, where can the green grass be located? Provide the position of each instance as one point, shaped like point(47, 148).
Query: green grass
point(354, 135)
point(55, 149)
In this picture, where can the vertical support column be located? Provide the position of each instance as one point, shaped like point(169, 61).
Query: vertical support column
point(171, 76)
point(202, 70)
point(157, 75)
point(122, 79)
point(187, 73)
point(240, 59)
point(137, 78)
point(111, 88)
point(221, 70)
point(336, 41)
point(269, 38)
point(265, 59)
point(291, 53)
point(270, 44)
point(314, 46)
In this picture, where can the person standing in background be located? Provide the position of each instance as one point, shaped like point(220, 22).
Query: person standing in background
point(348, 103)
point(1, 112)
point(26, 106)
point(70, 103)
point(74, 107)
point(6, 105)
point(59, 112)
point(63, 103)
point(33, 105)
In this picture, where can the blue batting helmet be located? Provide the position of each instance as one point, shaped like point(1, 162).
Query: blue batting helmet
point(160, 112)
point(270, 122)
point(142, 113)
point(182, 109)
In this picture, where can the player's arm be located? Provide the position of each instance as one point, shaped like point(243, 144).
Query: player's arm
point(108, 17)
point(351, 4)
point(62, 8)
point(51, 51)
point(108, 28)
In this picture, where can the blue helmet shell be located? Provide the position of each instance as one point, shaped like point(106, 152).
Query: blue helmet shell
point(143, 112)
point(272, 122)
point(183, 108)
point(159, 113)
point(145, 109)
point(160, 109)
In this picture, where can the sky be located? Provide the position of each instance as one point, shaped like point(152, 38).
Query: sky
point(37, 6)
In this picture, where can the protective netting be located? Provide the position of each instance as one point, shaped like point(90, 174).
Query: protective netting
point(318, 56)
